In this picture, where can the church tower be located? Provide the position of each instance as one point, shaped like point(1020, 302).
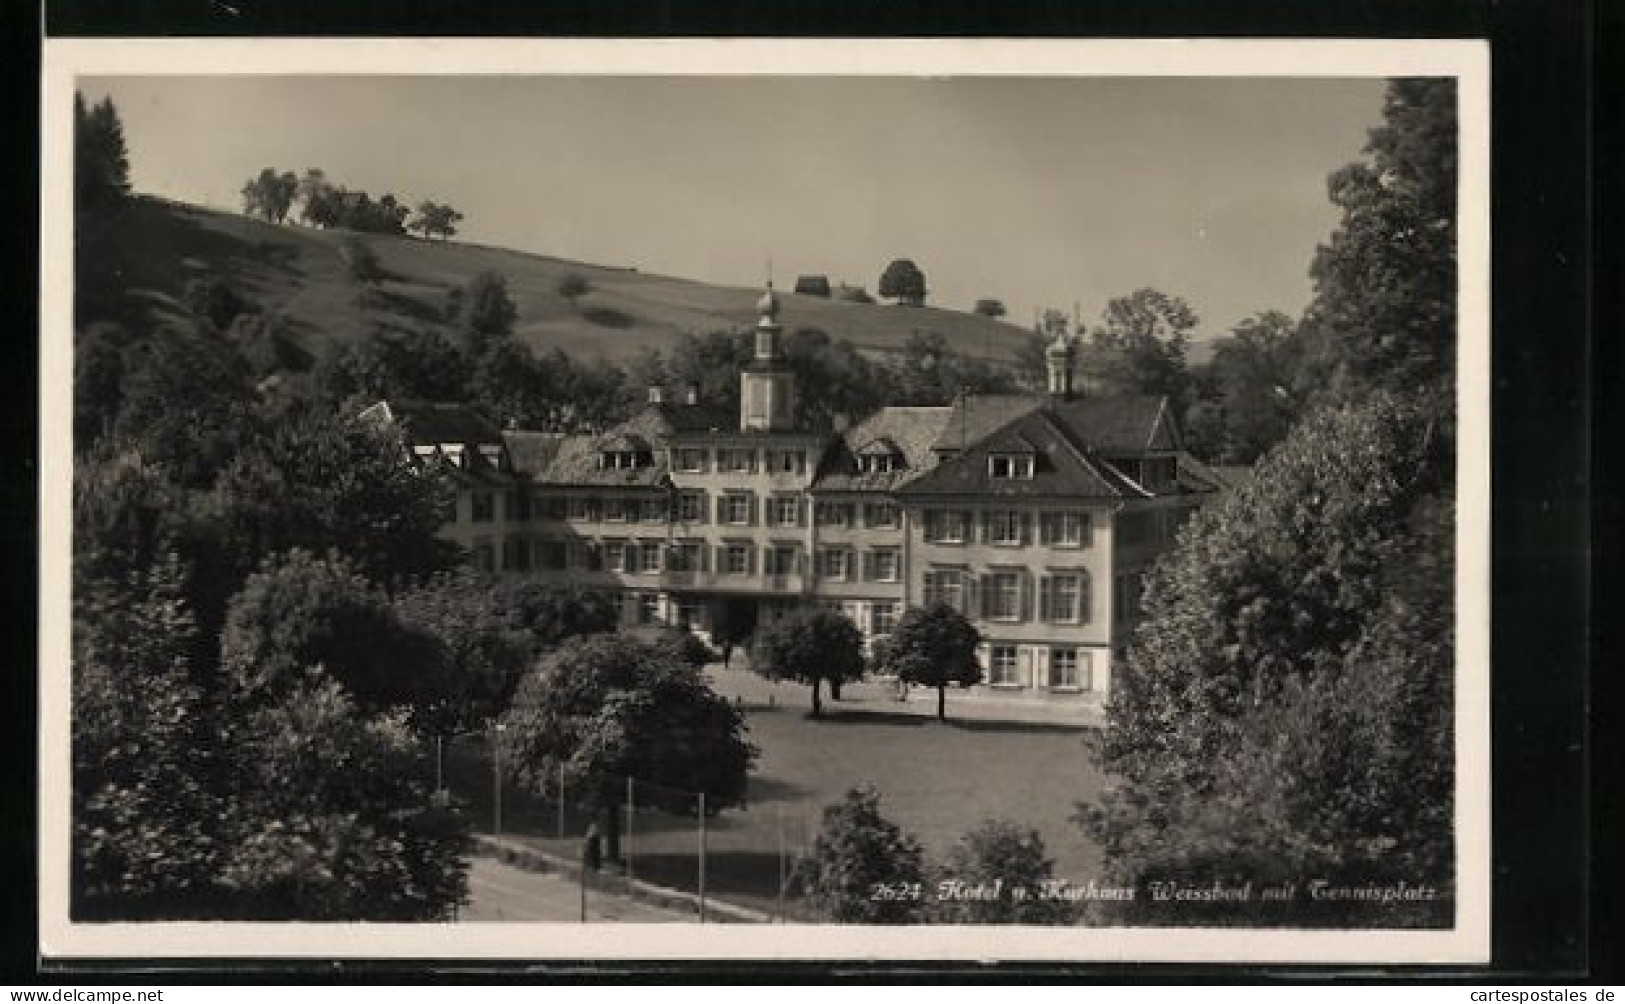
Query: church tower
point(767, 400)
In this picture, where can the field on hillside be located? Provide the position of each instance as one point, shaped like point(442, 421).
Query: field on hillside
point(296, 274)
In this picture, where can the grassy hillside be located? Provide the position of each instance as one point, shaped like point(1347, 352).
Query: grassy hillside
point(297, 274)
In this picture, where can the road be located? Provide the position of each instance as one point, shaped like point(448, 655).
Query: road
point(502, 892)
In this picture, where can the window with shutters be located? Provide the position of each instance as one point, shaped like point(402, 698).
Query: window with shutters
point(686, 556)
point(652, 510)
point(691, 507)
point(883, 565)
point(1063, 598)
point(1006, 527)
point(614, 552)
point(945, 526)
point(736, 508)
point(945, 585)
point(784, 510)
point(614, 510)
point(834, 514)
point(649, 557)
point(880, 516)
point(1064, 529)
point(1069, 669)
point(1002, 666)
point(689, 460)
point(1002, 596)
point(648, 608)
point(485, 557)
point(581, 510)
point(736, 559)
point(834, 563)
point(736, 461)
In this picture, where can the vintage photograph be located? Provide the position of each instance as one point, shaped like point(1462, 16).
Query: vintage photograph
point(1031, 502)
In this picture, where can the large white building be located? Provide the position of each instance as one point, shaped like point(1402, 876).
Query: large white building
point(1033, 514)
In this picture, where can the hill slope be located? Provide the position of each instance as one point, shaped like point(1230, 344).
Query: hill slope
point(297, 275)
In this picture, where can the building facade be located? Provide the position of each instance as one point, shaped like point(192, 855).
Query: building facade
point(1035, 515)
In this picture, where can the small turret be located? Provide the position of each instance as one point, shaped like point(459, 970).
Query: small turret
point(1060, 357)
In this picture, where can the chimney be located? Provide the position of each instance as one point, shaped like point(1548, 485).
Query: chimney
point(691, 394)
point(657, 394)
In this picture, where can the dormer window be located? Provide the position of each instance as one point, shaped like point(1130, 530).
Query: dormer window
point(1010, 466)
point(491, 453)
point(879, 457)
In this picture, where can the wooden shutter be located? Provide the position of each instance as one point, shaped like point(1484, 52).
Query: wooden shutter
point(721, 557)
point(1026, 522)
point(1026, 581)
point(803, 506)
point(1083, 597)
point(869, 570)
point(750, 559)
point(1041, 666)
point(1046, 608)
point(984, 610)
point(1024, 666)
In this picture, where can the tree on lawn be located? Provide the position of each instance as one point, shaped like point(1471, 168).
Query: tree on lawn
point(810, 645)
point(933, 646)
point(603, 708)
point(999, 854)
point(858, 852)
point(1286, 707)
point(904, 282)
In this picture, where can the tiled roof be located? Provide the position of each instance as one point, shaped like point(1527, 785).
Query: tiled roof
point(531, 452)
point(576, 460)
point(1061, 467)
point(439, 422)
point(1120, 424)
point(913, 431)
point(697, 417)
point(974, 416)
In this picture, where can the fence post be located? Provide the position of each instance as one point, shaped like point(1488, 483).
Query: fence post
point(496, 780)
point(702, 857)
point(561, 801)
point(630, 804)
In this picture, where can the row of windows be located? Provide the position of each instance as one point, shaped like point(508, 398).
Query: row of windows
point(1006, 526)
point(738, 460)
point(875, 515)
point(1053, 667)
point(1062, 597)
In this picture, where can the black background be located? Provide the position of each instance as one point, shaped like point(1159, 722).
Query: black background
point(1556, 876)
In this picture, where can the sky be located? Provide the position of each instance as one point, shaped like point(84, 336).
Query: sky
point(1036, 191)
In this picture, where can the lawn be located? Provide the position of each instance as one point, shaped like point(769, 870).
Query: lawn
point(935, 780)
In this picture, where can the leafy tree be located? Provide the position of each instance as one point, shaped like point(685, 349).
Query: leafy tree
point(548, 615)
point(144, 843)
point(334, 818)
point(999, 856)
point(573, 286)
point(1257, 377)
point(733, 621)
point(1385, 285)
point(863, 869)
point(810, 645)
point(433, 218)
point(101, 162)
point(318, 199)
point(318, 481)
point(270, 195)
point(1140, 345)
point(990, 308)
point(215, 301)
point(929, 372)
point(604, 708)
point(904, 282)
point(1285, 709)
point(300, 610)
point(932, 647)
point(833, 376)
point(485, 309)
point(1053, 321)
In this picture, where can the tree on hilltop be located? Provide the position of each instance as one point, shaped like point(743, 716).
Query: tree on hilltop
point(904, 282)
point(434, 218)
point(101, 161)
point(990, 308)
